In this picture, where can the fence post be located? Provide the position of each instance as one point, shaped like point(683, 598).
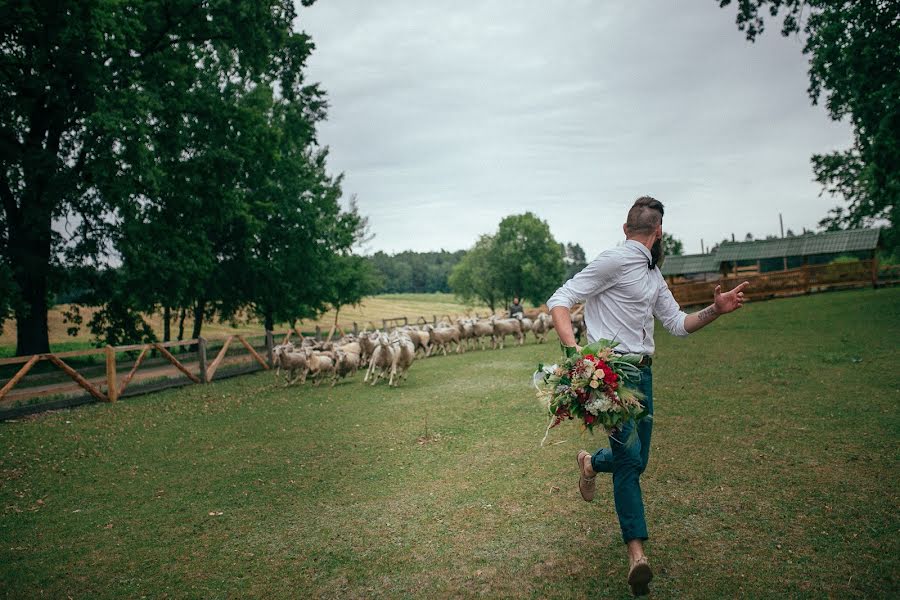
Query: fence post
point(874, 270)
point(112, 390)
point(270, 344)
point(355, 328)
point(201, 354)
point(318, 333)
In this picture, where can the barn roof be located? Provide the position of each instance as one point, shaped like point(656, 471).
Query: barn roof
point(829, 242)
point(690, 264)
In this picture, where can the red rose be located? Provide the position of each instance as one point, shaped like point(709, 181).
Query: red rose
point(588, 419)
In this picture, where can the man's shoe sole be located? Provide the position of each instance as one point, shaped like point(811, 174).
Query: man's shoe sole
point(582, 478)
point(639, 579)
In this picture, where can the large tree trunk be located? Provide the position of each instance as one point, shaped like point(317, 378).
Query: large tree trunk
point(28, 222)
point(181, 318)
point(167, 329)
point(29, 253)
point(199, 309)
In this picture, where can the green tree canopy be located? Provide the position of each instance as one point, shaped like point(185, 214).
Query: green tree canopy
point(574, 258)
point(522, 259)
point(672, 245)
point(474, 278)
point(175, 136)
point(855, 65)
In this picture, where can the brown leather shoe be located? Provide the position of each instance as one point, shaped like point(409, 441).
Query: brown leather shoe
point(586, 482)
point(639, 576)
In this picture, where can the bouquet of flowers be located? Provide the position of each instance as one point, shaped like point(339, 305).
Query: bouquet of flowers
point(590, 386)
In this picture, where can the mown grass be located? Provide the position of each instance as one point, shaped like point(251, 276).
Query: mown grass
point(772, 474)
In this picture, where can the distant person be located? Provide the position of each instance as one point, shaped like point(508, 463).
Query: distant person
point(623, 290)
point(515, 308)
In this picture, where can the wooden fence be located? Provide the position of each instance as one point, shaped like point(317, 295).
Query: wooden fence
point(142, 368)
point(146, 367)
point(776, 284)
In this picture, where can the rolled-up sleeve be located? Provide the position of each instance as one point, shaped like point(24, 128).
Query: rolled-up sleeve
point(668, 312)
point(599, 275)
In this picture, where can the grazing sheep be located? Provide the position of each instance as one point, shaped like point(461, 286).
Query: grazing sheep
point(441, 337)
point(466, 329)
point(294, 364)
point(277, 351)
point(505, 327)
point(320, 365)
point(347, 364)
point(367, 342)
point(578, 326)
point(483, 328)
point(404, 351)
point(353, 347)
point(526, 323)
point(543, 323)
point(420, 339)
point(382, 359)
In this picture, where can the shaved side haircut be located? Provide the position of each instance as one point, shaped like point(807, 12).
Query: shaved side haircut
point(645, 215)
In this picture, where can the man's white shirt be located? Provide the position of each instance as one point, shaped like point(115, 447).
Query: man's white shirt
point(621, 296)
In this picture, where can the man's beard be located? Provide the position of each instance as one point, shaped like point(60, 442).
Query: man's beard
point(657, 255)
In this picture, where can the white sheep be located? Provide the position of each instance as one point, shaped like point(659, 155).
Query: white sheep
point(320, 365)
point(441, 337)
point(542, 325)
point(347, 364)
point(404, 351)
point(505, 327)
point(382, 359)
point(481, 329)
point(294, 364)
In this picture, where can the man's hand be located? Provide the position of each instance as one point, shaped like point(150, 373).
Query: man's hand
point(723, 303)
point(729, 301)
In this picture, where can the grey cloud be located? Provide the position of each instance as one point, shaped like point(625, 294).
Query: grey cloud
point(445, 117)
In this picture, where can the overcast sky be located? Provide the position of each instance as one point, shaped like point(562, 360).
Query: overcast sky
point(447, 116)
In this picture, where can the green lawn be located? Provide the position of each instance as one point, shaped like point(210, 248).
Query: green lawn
point(773, 473)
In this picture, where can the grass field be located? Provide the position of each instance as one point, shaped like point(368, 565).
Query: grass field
point(773, 473)
point(374, 308)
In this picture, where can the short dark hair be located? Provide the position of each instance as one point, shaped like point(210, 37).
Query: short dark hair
point(645, 215)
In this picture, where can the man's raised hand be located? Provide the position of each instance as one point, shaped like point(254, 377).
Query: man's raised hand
point(729, 301)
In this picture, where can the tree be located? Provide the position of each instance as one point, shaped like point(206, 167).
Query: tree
point(352, 279)
point(855, 65)
point(93, 93)
point(416, 272)
point(522, 259)
point(527, 259)
point(672, 245)
point(574, 259)
point(475, 278)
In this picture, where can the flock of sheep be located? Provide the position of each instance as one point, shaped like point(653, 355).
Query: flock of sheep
point(389, 355)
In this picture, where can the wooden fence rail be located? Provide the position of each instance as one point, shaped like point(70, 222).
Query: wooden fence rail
point(804, 280)
point(792, 282)
point(107, 389)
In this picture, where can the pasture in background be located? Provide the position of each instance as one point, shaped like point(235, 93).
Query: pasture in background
point(770, 475)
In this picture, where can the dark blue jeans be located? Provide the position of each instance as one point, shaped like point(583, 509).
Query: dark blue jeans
point(626, 463)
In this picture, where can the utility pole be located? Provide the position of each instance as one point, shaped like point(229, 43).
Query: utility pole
point(781, 224)
point(702, 251)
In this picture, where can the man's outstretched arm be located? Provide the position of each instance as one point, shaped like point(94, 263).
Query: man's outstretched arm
point(722, 304)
